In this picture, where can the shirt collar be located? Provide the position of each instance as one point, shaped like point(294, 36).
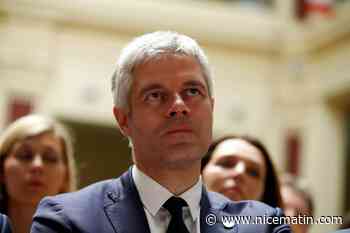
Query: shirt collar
point(149, 188)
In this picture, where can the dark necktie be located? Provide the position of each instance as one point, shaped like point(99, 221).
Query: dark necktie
point(174, 206)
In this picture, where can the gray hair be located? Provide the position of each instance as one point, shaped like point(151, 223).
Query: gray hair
point(33, 125)
point(151, 46)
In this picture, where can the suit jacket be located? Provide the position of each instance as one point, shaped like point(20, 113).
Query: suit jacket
point(114, 206)
point(4, 224)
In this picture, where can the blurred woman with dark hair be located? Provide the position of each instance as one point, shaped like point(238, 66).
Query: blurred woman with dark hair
point(241, 168)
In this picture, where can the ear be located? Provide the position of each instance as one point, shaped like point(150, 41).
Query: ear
point(2, 172)
point(2, 178)
point(121, 117)
point(212, 102)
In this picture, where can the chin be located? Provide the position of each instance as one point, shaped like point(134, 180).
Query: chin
point(179, 143)
point(234, 196)
point(181, 159)
point(33, 200)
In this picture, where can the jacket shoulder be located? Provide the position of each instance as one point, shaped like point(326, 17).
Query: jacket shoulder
point(76, 211)
point(92, 194)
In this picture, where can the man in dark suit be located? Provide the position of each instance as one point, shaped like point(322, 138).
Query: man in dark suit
point(163, 103)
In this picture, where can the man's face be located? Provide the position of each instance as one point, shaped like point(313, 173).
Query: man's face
point(170, 117)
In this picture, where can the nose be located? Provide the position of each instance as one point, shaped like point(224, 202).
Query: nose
point(178, 107)
point(239, 169)
point(37, 163)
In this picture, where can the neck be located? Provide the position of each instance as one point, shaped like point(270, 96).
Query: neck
point(175, 180)
point(21, 216)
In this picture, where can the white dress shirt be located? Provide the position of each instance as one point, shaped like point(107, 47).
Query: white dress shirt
point(153, 196)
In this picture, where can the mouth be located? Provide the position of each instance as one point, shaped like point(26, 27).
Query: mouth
point(176, 131)
point(234, 190)
point(233, 193)
point(230, 187)
point(36, 184)
point(179, 130)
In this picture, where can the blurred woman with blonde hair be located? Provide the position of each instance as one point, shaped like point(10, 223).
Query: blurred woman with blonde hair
point(36, 160)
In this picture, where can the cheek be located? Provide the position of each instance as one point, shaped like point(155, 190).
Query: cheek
point(204, 117)
point(57, 178)
point(203, 128)
point(256, 188)
point(143, 124)
point(213, 176)
point(13, 177)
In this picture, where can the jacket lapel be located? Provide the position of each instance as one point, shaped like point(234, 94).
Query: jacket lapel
point(124, 208)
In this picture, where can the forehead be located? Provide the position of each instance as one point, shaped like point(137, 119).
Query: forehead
point(238, 148)
point(47, 139)
point(168, 69)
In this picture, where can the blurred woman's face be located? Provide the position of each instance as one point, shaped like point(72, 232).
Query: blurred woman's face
point(237, 170)
point(35, 168)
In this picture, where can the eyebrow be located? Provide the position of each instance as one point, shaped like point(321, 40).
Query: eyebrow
point(233, 157)
point(194, 83)
point(149, 88)
point(19, 145)
point(158, 86)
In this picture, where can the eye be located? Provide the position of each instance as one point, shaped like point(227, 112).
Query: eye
point(253, 172)
point(24, 154)
point(226, 164)
point(51, 157)
point(153, 96)
point(192, 91)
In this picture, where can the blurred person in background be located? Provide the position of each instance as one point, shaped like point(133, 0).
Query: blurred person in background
point(241, 168)
point(297, 201)
point(36, 160)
